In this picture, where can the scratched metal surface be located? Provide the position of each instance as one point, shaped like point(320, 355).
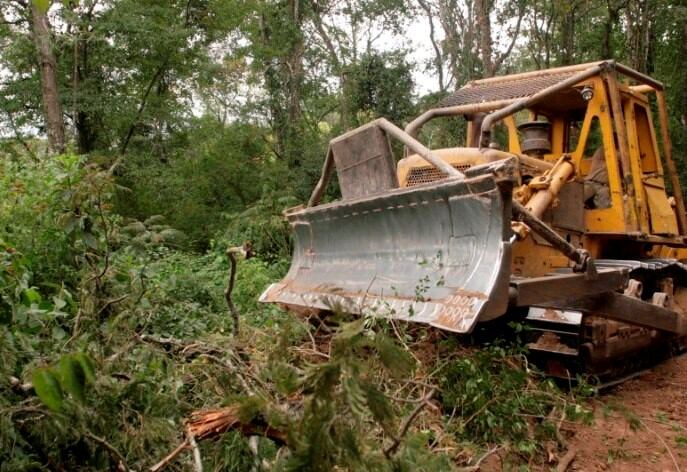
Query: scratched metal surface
point(520, 87)
point(434, 254)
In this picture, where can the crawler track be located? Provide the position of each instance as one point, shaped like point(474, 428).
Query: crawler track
point(566, 343)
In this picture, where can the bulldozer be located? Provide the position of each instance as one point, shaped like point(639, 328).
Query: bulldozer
point(556, 212)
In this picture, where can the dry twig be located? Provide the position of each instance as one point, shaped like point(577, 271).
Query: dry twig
point(566, 460)
point(121, 461)
point(391, 450)
point(197, 461)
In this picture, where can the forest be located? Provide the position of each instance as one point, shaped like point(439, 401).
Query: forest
point(148, 148)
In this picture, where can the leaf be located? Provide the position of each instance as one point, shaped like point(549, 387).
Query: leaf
point(31, 296)
point(69, 222)
point(379, 405)
point(42, 5)
point(72, 378)
point(89, 239)
point(355, 397)
point(48, 388)
point(397, 360)
point(87, 365)
point(285, 378)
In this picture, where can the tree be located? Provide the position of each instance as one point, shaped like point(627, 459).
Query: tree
point(52, 108)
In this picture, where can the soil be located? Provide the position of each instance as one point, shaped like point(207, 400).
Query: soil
point(640, 425)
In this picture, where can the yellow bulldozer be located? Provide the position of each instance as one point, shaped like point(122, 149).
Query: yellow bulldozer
point(555, 212)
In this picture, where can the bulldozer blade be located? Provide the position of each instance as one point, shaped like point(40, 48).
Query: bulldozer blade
point(436, 254)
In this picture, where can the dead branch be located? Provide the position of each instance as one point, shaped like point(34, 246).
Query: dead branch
point(566, 460)
point(391, 450)
point(665, 445)
point(170, 457)
point(197, 460)
point(475, 467)
point(187, 349)
point(212, 423)
point(246, 251)
point(116, 455)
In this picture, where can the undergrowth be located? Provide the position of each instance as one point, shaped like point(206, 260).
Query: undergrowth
point(111, 335)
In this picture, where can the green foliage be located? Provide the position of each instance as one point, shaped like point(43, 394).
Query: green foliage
point(382, 85)
point(48, 388)
point(496, 399)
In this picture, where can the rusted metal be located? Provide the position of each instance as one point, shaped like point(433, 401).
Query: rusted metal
point(582, 259)
point(621, 133)
point(508, 89)
point(417, 147)
point(616, 306)
point(638, 76)
point(414, 126)
point(436, 254)
point(364, 162)
point(325, 176)
point(542, 290)
point(536, 140)
point(348, 146)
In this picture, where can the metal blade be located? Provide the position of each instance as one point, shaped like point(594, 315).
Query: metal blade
point(435, 254)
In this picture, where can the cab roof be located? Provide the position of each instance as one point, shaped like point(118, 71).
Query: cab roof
point(516, 86)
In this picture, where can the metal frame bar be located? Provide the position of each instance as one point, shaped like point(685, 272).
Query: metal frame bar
point(391, 130)
point(619, 307)
point(499, 115)
point(580, 257)
point(413, 128)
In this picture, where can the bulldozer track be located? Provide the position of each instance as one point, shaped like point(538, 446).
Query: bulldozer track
point(612, 350)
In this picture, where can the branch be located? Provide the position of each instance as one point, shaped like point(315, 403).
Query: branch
point(566, 460)
point(158, 73)
point(476, 466)
point(505, 55)
point(391, 450)
point(197, 460)
point(170, 457)
point(246, 251)
point(121, 461)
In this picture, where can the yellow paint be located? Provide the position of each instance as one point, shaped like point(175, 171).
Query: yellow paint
point(649, 213)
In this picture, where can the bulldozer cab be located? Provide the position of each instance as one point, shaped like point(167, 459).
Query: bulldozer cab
point(559, 167)
point(615, 151)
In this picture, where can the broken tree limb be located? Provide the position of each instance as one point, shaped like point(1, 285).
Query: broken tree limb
point(246, 251)
point(391, 450)
point(169, 457)
point(197, 460)
point(566, 460)
point(119, 458)
point(212, 423)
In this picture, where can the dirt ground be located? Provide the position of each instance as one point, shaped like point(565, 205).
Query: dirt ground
point(640, 425)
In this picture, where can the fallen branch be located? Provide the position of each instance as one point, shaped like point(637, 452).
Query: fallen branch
point(169, 457)
point(212, 423)
point(475, 467)
point(121, 461)
point(665, 444)
point(391, 450)
point(566, 460)
point(197, 460)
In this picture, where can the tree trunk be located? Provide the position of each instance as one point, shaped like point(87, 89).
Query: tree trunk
point(48, 70)
point(482, 10)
